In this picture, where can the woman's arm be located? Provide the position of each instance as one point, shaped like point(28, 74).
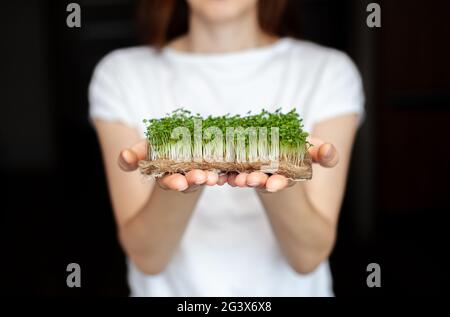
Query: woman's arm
point(304, 216)
point(150, 218)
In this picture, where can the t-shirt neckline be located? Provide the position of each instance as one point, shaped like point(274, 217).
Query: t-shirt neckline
point(251, 54)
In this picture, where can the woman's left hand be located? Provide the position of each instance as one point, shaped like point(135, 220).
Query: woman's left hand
point(322, 153)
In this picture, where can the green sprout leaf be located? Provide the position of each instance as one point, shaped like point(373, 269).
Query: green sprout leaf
point(292, 139)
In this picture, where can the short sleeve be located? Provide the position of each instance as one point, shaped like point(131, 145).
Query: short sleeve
point(341, 90)
point(107, 92)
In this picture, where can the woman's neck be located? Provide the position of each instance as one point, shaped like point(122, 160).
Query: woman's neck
point(229, 36)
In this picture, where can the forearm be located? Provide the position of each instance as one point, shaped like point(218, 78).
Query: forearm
point(152, 235)
point(305, 236)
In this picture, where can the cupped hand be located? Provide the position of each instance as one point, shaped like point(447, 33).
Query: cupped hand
point(324, 154)
point(129, 159)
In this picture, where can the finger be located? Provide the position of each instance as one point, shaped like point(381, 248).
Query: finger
point(129, 158)
point(196, 177)
point(128, 161)
point(276, 182)
point(313, 150)
point(241, 179)
point(323, 153)
point(257, 179)
point(232, 179)
point(212, 178)
point(176, 182)
point(140, 149)
point(223, 178)
point(327, 155)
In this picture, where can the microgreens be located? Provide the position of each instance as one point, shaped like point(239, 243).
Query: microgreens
point(292, 144)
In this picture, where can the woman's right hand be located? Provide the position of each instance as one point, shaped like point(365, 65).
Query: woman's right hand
point(129, 159)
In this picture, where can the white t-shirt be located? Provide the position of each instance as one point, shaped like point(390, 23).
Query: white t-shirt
point(228, 248)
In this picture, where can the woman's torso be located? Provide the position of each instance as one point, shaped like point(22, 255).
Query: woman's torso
point(228, 248)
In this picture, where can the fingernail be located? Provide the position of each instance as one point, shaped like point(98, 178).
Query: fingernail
point(272, 190)
point(255, 184)
point(183, 188)
point(199, 181)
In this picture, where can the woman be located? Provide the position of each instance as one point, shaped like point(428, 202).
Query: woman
point(202, 234)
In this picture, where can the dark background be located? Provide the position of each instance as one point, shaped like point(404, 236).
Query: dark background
point(54, 202)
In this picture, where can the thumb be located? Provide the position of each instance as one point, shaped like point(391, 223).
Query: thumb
point(323, 153)
point(128, 160)
point(327, 155)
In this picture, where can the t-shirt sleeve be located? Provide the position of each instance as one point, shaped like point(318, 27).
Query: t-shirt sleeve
point(107, 92)
point(341, 90)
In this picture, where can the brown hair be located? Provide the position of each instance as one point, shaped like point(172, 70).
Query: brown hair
point(162, 21)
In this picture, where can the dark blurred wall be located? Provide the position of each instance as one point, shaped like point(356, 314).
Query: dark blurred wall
point(25, 89)
point(412, 119)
